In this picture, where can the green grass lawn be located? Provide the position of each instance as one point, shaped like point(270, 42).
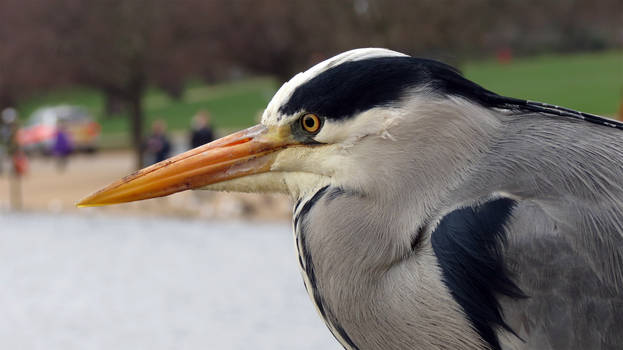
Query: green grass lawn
point(588, 82)
point(232, 105)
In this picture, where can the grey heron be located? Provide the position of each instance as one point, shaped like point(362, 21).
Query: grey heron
point(430, 213)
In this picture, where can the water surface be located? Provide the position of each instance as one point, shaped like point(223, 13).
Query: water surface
point(80, 282)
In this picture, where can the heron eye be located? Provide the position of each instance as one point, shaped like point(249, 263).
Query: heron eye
point(311, 123)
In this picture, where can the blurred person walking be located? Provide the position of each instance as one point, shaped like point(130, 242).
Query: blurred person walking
point(19, 162)
point(157, 146)
point(63, 146)
point(202, 131)
point(5, 135)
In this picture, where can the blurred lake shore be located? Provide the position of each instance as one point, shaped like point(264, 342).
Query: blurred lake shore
point(45, 188)
point(108, 282)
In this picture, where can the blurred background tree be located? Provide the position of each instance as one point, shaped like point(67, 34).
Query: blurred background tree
point(122, 48)
point(27, 59)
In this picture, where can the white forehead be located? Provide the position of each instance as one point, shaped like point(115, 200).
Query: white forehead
point(271, 114)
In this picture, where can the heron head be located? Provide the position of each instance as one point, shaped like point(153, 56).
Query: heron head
point(336, 123)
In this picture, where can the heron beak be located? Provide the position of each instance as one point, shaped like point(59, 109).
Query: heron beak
point(250, 151)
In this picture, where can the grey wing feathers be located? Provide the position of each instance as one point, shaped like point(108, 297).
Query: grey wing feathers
point(569, 306)
point(573, 171)
point(565, 239)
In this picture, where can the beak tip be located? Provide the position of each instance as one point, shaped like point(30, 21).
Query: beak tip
point(91, 201)
point(85, 203)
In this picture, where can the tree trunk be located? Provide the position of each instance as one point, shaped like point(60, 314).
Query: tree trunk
point(15, 190)
point(136, 117)
point(6, 100)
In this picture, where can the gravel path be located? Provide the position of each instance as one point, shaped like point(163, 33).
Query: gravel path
point(97, 282)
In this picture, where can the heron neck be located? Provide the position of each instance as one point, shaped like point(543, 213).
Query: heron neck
point(345, 241)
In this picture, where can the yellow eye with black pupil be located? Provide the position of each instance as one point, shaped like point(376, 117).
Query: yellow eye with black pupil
point(311, 123)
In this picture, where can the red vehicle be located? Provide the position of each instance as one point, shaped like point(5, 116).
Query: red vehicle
point(39, 134)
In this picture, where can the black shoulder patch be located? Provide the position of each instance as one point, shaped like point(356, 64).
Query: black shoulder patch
point(468, 244)
point(356, 86)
